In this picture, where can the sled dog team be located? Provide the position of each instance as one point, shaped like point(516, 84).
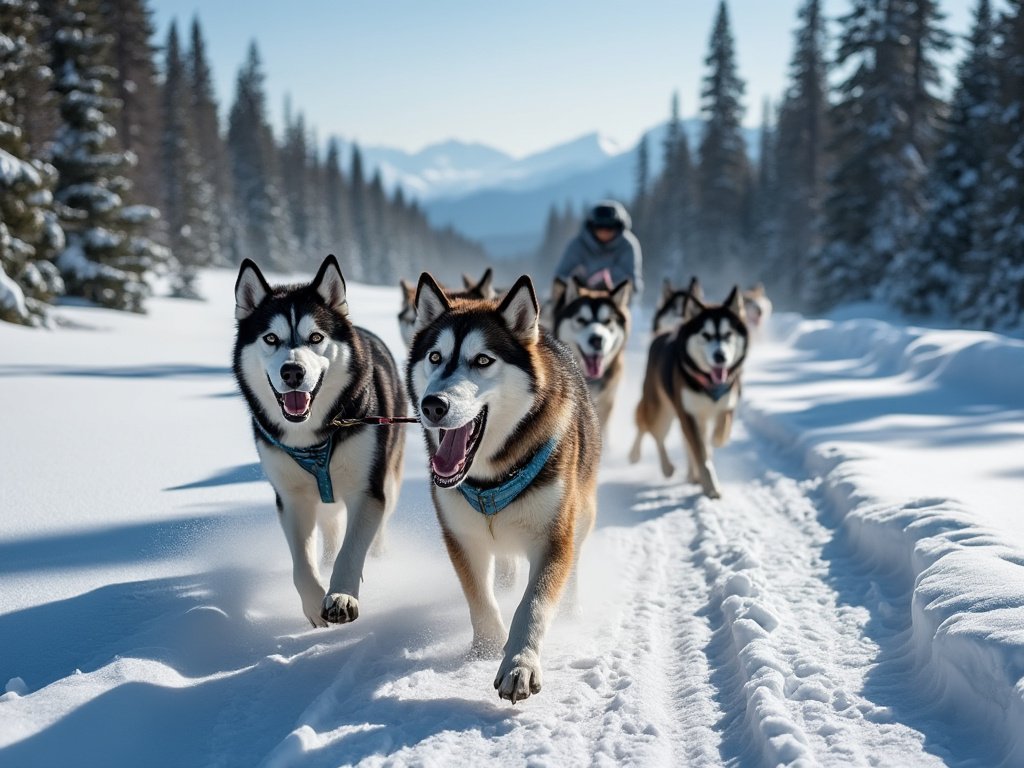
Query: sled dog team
point(512, 411)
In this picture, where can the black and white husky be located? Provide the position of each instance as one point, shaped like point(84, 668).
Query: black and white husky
point(514, 445)
point(302, 365)
point(594, 324)
point(693, 375)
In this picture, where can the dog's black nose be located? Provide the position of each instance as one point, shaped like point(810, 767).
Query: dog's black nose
point(719, 357)
point(434, 407)
point(597, 342)
point(293, 374)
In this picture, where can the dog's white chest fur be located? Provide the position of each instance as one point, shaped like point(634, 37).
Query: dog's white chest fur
point(702, 407)
point(517, 528)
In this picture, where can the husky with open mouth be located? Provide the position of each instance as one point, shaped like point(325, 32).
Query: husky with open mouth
point(471, 289)
point(309, 376)
point(514, 444)
point(594, 324)
point(693, 375)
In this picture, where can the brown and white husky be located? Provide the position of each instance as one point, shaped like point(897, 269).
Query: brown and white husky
point(513, 444)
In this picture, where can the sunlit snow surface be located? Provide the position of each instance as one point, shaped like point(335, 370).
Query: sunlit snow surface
point(855, 599)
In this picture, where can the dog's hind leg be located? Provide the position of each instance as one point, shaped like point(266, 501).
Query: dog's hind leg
point(641, 430)
point(570, 605)
point(330, 534)
point(505, 569)
point(695, 436)
point(474, 565)
point(659, 431)
point(634, 452)
point(723, 428)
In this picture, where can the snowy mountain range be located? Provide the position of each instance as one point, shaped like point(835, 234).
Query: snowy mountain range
point(503, 201)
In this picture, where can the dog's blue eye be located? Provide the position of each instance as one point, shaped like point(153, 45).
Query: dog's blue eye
point(271, 338)
point(316, 338)
point(707, 336)
point(727, 335)
point(434, 357)
point(482, 361)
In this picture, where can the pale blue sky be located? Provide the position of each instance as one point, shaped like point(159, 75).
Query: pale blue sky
point(520, 76)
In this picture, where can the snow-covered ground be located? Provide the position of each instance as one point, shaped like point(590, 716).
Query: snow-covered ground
point(857, 598)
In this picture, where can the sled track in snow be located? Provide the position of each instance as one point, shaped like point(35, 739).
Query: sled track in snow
point(762, 660)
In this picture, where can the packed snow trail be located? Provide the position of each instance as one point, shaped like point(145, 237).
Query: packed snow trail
point(148, 616)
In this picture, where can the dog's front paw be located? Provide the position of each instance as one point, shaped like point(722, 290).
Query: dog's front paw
point(518, 677)
point(339, 608)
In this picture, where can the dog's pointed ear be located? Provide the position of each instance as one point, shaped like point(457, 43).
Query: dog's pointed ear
point(431, 301)
point(486, 285)
point(558, 287)
point(666, 290)
point(622, 293)
point(693, 306)
point(695, 290)
point(407, 287)
point(251, 289)
point(330, 285)
point(572, 290)
point(521, 311)
point(734, 303)
point(467, 282)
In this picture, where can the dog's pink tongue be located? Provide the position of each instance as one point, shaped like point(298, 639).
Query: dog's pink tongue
point(593, 365)
point(296, 403)
point(719, 374)
point(451, 453)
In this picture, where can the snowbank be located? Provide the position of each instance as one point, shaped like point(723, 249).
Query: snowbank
point(959, 561)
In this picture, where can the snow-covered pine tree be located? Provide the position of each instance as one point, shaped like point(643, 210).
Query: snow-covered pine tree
point(800, 161)
point(294, 154)
point(218, 218)
point(1000, 302)
point(723, 173)
point(948, 266)
point(641, 180)
point(187, 195)
point(382, 257)
point(319, 243)
point(764, 202)
point(885, 128)
point(29, 233)
point(337, 208)
point(263, 216)
point(676, 212)
point(362, 250)
point(130, 26)
point(105, 261)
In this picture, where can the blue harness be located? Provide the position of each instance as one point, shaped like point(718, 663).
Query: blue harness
point(316, 460)
point(491, 501)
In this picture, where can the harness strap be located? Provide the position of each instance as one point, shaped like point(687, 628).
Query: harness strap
point(316, 460)
point(491, 501)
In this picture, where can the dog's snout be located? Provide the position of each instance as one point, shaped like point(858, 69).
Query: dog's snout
point(292, 374)
point(434, 407)
point(719, 357)
point(597, 342)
